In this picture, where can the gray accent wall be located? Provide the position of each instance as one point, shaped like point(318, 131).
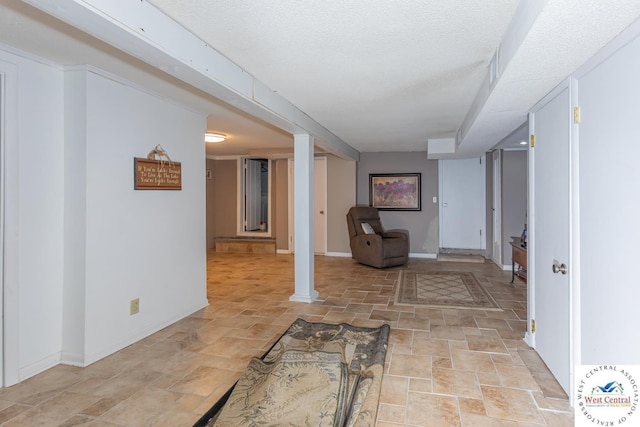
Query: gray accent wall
point(225, 205)
point(280, 203)
point(210, 203)
point(341, 195)
point(488, 253)
point(423, 225)
point(514, 198)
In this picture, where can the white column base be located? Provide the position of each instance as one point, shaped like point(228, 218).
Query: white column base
point(304, 298)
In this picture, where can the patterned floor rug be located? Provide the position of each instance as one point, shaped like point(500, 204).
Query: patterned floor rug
point(316, 374)
point(450, 289)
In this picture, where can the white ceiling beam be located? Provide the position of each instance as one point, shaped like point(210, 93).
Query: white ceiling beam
point(141, 30)
point(523, 19)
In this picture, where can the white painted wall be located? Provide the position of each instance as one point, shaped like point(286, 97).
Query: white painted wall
point(33, 170)
point(137, 244)
point(609, 206)
point(80, 243)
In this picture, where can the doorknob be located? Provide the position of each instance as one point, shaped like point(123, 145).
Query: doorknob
point(322, 212)
point(559, 268)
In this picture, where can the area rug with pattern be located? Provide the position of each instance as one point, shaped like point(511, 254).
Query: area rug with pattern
point(443, 289)
point(316, 374)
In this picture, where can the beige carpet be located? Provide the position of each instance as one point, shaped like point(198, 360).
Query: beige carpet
point(448, 289)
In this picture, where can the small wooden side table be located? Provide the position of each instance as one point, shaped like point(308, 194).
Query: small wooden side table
point(519, 257)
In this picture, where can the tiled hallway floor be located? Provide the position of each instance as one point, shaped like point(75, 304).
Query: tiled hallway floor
point(445, 367)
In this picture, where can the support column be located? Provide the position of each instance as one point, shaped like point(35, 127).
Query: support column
point(303, 218)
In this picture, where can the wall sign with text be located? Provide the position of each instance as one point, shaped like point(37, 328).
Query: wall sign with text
point(157, 174)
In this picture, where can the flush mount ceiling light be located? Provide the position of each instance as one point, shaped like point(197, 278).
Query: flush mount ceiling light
point(214, 137)
point(523, 142)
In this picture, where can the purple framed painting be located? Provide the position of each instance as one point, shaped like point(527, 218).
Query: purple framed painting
point(395, 191)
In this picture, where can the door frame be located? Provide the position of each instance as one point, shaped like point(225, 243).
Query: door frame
point(443, 199)
point(240, 208)
point(320, 166)
point(291, 224)
point(570, 84)
point(496, 208)
point(9, 295)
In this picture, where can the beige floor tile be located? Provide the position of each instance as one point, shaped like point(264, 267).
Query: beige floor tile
point(485, 343)
point(516, 377)
point(476, 420)
point(455, 382)
point(422, 345)
point(437, 359)
point(410, 366)
point(421, 385)
point(391, 413)
point(432, 410)
point(472, 361)
point(511, 404)
point(471, 406)
point(394, 390)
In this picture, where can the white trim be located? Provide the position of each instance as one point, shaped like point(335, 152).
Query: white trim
point(339, 254)
point(10, 249)
point(88, 359)
point(128, 83)
point(529, 339)
point(30, 56)
point(531, 236)
point(575, 349)
point(304, 298)
point(233, 157)
point(424, 256)
point(325, 169)
point(507, 267)
point(240, 214)
point(39, 366)
point(145, 32)
point(290, 216)
point(496, 207)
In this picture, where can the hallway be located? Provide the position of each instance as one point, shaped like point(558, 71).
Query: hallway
point(445, 367)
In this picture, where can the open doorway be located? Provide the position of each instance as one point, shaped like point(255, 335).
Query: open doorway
point(254, 197)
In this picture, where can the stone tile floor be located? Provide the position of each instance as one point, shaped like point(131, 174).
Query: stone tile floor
point(445, 367)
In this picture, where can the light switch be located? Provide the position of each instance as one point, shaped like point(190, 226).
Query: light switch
point(435, 200)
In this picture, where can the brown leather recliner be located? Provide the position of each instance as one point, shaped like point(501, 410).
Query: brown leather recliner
point(382, 248)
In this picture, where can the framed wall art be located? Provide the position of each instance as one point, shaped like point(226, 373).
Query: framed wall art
point(395, 191)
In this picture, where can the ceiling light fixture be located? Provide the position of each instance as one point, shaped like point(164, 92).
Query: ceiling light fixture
point(523, 143)
point(214, 137)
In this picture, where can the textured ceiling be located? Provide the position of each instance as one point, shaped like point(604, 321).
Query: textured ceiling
point(381, 75)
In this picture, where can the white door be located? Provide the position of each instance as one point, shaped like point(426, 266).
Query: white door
point(496, 207)
point(550, 233)
point(462, 203)
point(320, 205)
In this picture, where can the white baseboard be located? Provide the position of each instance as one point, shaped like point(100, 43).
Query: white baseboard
point(411, 255)
point(39, 366)
point(421, 255)
point(507, 267)
point(528, 338)
point(339, 254)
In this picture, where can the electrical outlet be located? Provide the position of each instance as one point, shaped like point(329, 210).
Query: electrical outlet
point(134, 307)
